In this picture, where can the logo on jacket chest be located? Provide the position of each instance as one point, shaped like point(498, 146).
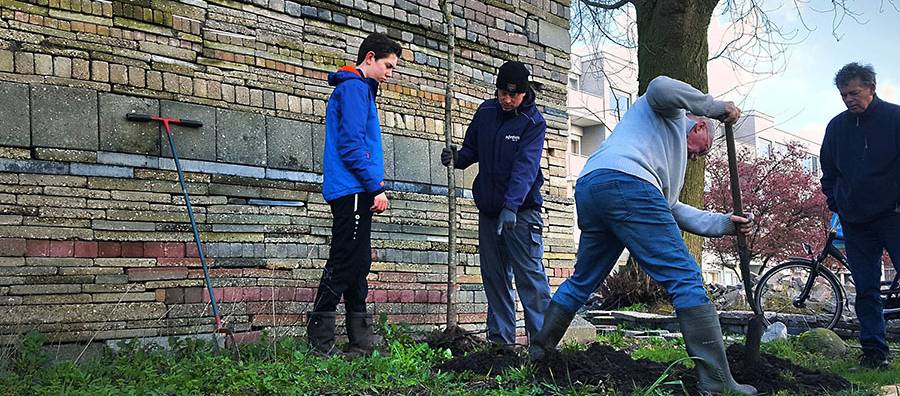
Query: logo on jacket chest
point(512, 138)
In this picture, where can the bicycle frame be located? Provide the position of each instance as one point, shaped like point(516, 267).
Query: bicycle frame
point(830, 250)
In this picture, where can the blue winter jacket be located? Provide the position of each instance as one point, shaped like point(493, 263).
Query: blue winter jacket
point(861, 162)
point(354, 160)
point(507, 147)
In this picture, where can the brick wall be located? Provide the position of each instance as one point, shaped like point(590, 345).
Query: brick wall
point(94, 238)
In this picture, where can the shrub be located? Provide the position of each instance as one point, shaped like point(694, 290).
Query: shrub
point(629, 286)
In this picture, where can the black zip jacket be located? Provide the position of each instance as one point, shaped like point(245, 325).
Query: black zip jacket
point(861, 162)
point(508, 147)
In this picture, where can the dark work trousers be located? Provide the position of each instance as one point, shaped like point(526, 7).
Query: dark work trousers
point(866, 243)
point(517, 252)
point(350, 255)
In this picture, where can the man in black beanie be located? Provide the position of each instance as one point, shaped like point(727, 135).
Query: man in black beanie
point(506, 139)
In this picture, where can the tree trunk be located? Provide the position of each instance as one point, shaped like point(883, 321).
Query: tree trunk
point(672, 42)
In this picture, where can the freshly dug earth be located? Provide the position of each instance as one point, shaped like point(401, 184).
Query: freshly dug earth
point(773, 374)
point(457, 340)
point(613, 369)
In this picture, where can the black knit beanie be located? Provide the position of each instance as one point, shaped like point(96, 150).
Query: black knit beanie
point(513, 77)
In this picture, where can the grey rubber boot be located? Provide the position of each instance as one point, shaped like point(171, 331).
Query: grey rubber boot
point(359, 332)
point(556, 322)
point(703, 339)
point(320, 333)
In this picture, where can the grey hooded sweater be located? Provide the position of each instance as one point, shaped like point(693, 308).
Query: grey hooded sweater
point(650, 142)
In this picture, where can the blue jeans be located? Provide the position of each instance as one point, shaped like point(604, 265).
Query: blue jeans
point(865, 244)
point(516, 253)
point(615, 211)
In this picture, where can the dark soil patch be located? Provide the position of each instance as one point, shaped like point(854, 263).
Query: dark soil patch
point(604, 366)
point(773, 374)
point(488, 361)
point(457, 340)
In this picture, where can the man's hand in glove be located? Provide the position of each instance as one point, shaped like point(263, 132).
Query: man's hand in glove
point(507, 221)
point(447, 153)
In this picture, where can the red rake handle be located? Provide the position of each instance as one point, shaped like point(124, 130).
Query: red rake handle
point(137, 117)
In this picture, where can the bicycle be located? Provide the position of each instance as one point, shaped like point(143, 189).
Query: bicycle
point(803, 293)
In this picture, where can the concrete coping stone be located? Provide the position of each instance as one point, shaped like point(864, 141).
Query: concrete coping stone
point(271, 202)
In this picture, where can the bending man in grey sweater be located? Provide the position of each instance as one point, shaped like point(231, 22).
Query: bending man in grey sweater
point(627, 197)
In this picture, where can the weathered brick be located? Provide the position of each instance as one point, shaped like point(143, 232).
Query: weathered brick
point(12, 261)
point(129, 296)
point(124, 262)
point(193, 295)
point(7, 61)
point(99, 71)
point(62, 248)
point(136, 76)
point(154, 80)
point(109, 249)
point(174, 296)
point(164, 249)
point(58, 261)
point(24, 63)
point(62, 67)
point(90, 271)
point(52, 180)
point(81, 69)
point(54, 299)
point(190, 249)
point(37, 248)
point(71, 313)
point(118, 74)
point(111, 279)
point(44, 289)
point(13, 247)
point(148, 274)
point(26, 271)
point(132, 249)
point(43, 64)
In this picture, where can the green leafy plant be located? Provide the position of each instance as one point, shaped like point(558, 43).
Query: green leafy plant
point(28, 356)
point(573, 346)
point(655, 389)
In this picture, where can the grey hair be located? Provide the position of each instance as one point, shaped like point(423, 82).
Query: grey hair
point(851, 71)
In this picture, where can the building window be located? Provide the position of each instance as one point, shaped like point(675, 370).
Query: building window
point(811, 164)
point(779, 148)
point(575, 147)
point(619, 103)
point(574, 83)
point(763, 148)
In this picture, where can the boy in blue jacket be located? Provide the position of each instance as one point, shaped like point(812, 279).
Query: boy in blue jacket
point(354, 188)
point(506, 139)
point(861, 179)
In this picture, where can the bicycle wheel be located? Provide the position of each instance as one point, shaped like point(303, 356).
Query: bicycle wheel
point(779, 288)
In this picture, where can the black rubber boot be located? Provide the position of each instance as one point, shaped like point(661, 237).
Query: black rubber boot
point(320, 332)
point(703, 339)
point(359, 333)
point(556, 322)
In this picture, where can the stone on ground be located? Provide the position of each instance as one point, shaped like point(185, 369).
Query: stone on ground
point(823, 341)
point(581, 331)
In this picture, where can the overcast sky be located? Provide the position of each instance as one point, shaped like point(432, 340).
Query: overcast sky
point(802, 98)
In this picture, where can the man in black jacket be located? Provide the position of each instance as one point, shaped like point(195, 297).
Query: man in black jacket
point(861, 179)
point(506, 139)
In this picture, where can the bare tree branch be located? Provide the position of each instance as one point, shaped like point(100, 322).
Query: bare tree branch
point(618, 4)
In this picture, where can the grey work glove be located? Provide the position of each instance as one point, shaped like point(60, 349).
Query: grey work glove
point(447, 153)
point(507, 221)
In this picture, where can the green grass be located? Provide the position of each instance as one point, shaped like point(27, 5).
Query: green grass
point(284, 367)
